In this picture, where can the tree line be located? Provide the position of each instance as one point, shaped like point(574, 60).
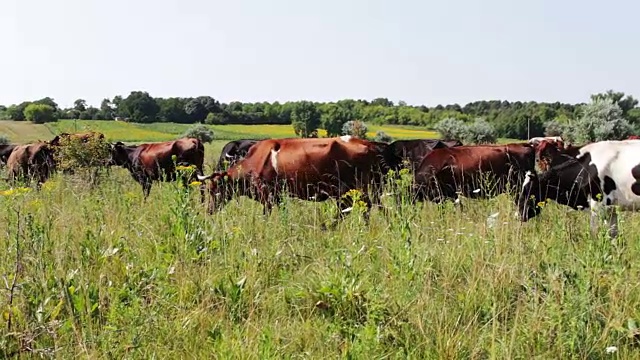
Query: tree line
point(498, 118)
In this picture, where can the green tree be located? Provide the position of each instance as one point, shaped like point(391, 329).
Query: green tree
point(305, 118)
point(39, 113)
point(334, 117)
point(198, 108)
point(80, 105)
point(625, 103)
point(139, 107)
point(452, 129)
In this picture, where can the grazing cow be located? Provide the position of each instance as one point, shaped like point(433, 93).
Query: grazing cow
point(5, 151)
point(31, 161)
point(549, 154)
point(149, 162)
point(233, 152)
point(414, 151)
point(602, 174)
point(314, 169)
point(447, 172)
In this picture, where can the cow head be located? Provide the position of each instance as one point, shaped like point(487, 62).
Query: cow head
point(220, 189)
point(530, 197)
point(119, 154)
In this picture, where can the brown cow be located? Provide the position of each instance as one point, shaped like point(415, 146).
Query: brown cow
point(149, 162)
point(311, 169)
point(553, 153)
point(445, 172)
point(31, 161)
point(5, 151)
point(84, 137)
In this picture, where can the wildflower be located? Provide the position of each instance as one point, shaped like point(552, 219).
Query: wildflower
point(185, 168)
point(542, 204)
point(195, 183)
point(611, 349)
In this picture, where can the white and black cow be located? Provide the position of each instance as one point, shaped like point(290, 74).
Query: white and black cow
point(603, 174)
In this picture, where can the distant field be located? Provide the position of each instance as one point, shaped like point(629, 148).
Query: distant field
point(21, 132)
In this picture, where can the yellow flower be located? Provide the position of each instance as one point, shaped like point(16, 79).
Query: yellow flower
point(185, 168)
point(195, 183)
point(541, 204)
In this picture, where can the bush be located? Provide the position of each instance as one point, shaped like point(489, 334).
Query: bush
point(601, 120)
point(355, 128)
point(73, 154)
point(452, 129)
point(480, 132)
point(554, 128)
point(215, 119)
point(40, 113)
point(4, 139)
point(201, 132)
point(382, 136)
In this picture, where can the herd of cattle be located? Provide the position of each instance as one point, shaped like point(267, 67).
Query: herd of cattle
point(589, 176)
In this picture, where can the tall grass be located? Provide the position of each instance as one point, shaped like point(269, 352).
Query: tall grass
point(100, 273)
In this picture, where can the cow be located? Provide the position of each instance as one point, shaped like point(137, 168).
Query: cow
point(154, 161)
point(539, 139)
point(446, 173)
point(315, 169)
point(552, 153)
point(233, 152)
point(603, 174)
point(5, 151)
point(31, 161)
point(84, 137)
point(414, 151)
point(633, 137)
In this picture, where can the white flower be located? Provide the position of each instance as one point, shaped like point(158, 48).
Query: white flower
point(611, 349)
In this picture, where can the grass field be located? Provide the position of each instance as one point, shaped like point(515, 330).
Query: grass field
point(23, 132)
point(100, 273)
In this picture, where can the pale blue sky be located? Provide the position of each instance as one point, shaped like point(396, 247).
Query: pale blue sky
point(422, 52)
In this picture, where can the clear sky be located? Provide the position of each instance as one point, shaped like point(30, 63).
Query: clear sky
point(420, 51)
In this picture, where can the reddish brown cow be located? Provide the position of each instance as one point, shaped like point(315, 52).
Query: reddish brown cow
point(466, 170)
point(311, 169)
point(633, 137)
point(549, 154)
point(149, 162)
point(31, 162)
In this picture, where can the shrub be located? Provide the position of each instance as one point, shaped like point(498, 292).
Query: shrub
point(382, 136)
point(201, 132)
point(452, 129)
point(215, 119)
point(480, 132)
point(601, 120)
point(4, 139)
point(40, 113)
point(355, 128)
point(74, 155)
point(554, 128)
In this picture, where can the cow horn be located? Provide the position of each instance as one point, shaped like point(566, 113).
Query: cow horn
point(203, 178)
point(227, 155)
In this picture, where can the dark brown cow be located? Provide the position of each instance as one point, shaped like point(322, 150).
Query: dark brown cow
point(29, 162)
point(413, 151)
point(466, 170)
point(149, 162)
point(5, 151)
point(84, 137)
point(311, 169)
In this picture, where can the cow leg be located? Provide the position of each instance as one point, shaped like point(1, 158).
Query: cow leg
point(146, 188)
point(612, 221)
point(594, 220)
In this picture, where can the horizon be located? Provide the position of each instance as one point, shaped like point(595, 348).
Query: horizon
point(422, 53)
